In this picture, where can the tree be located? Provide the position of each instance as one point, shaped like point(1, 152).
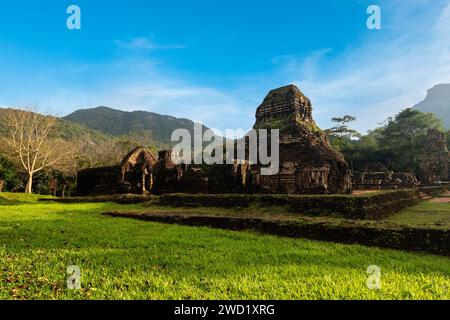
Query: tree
point(397, 143)
point(362, 151)
point(29, 142)
point(10, 178)
point(402, 138)
point(341, 134)
point(110, 152)
point(448, 139)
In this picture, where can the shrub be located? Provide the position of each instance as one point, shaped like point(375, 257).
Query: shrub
point(11, 179)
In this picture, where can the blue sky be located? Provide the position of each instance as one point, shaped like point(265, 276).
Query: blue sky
point(214, 61)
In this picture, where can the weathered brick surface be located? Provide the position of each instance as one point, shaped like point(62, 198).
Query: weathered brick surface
point(369, 206)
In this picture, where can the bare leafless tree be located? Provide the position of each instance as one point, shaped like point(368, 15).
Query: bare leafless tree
point(29, 142)
point(110, 152)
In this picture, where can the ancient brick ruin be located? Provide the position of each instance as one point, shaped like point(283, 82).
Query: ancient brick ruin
point(308, 163)
point(217, 178)
point(376, 176)
point(133, 175)
point(434, 164)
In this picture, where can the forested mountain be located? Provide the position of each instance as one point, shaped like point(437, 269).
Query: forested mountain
point(437, 101)
point(116, 122)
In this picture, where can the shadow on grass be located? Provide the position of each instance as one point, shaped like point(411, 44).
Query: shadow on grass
point(14, 199)
point(12, 202)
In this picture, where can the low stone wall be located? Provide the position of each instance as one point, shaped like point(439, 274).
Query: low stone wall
point(374, 205)
point(434, 190)
point(369, 206)
point(94, 181)
point(436, 241)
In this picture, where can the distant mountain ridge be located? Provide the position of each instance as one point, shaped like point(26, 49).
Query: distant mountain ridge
point(116, 122)
point(437, 101)
point(67, 130)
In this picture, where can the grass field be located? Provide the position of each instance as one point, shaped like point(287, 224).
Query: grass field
point(130, 259)
point(425, 213)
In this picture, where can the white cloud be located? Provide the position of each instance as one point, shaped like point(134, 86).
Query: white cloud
point(143, 43)
point(140, 84)
point(388, 73)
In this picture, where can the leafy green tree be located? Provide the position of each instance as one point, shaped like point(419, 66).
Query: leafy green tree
point(54, 182)
point(341, 135)
point(362, 151)
point(401, 139)
point(10, 179)
point(448, 139)
point(397, 144)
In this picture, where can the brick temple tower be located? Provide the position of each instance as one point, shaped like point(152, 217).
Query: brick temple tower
point(308, 163)
point(285, 103)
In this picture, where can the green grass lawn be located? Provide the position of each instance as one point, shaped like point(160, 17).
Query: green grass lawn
point(425, 213)
point(131, 259)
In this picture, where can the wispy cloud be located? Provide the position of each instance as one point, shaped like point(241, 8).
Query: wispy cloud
point(373, 79)
point(144, 85)
point(388, 72)
point(143, 43)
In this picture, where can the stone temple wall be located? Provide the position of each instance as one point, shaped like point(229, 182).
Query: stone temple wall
point(171, 178)
point(99, 181)
point(133, 175)
point(377, 176)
